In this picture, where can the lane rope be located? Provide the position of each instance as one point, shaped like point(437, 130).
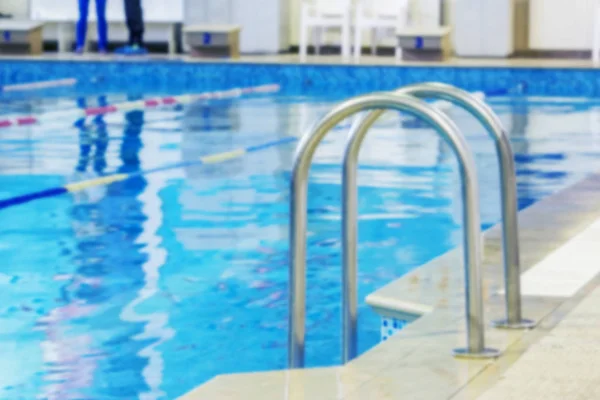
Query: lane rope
point(21, 87)
point(49, 84)
point(107, 180)
point(137, 105)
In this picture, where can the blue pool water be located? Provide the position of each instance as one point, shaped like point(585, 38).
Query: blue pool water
point(149, 287)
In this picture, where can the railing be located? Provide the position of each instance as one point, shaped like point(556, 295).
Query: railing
point(298, 210)
point(510, 229)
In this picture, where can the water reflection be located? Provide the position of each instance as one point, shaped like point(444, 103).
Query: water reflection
point(229, 219)
point(93, 140)
point(518, 128)
point(218, 200)
point(71, 358)
point(89, 352)
point(153, 324)
point(93, 144)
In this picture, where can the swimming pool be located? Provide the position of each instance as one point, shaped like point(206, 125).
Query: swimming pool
point(149, 287)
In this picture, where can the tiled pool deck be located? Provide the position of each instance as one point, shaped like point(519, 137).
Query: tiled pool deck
point(417, 363)
point(564, 364)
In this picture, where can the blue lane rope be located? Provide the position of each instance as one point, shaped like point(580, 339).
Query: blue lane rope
point(108, 179)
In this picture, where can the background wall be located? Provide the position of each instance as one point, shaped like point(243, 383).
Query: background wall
point(195, 11)
point(18, 8)
point(553, 24)
point(561, 24)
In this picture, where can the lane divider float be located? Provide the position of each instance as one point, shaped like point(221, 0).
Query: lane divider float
point(137, 105)
point(107, 180)
point(49, 84)
point(21, 87)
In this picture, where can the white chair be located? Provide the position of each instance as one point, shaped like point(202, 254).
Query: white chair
point(596, 38)
point(380, 17)
point(319, 15)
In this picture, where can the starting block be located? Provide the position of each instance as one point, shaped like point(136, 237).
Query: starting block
point(20, 37)
point(213, 40)
point(424, 44)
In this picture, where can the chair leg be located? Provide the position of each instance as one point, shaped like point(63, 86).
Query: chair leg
point(172, 39)
point(62, 38)
point(357, 43)
point(317, 36)
point(398, 52)
point(303, 42)
point(346, 41)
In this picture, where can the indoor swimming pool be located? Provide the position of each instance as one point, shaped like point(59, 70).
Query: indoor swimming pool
point(148, 287)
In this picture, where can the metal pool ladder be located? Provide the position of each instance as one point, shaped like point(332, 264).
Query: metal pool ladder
point(400, 101)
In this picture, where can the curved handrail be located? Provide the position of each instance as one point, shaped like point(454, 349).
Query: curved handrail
point(510, 231)
point(471, 241)
point(298, 210)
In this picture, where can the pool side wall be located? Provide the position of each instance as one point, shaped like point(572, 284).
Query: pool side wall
point(177, 76)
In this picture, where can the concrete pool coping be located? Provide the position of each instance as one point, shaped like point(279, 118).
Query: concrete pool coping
point(417, 362)
point(323, 60)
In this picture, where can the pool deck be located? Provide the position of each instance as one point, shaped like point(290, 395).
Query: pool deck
point(564, 364)
point(417, 362)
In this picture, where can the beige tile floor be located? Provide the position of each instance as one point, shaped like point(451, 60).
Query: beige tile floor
point(563, 365)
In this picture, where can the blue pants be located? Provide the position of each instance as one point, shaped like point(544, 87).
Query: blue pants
point(84, 6)
point(135, 21)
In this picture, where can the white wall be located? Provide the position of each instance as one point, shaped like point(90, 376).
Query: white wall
point(553, 25)
point(561, 24)
point(18, 8)
point(262, 30)
point(266, 31)
point(68, 10)
point(484, 28)
point(420, 9)
point(294, 21)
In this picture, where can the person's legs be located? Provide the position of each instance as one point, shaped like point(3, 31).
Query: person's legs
point(85, 146)
point(82, 24)
point(102, 25)
point(101, 139)
point(135, 22)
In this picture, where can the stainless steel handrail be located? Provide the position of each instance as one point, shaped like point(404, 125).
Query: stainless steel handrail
point(298, 210)
point(471, 241)
point(510, 231)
